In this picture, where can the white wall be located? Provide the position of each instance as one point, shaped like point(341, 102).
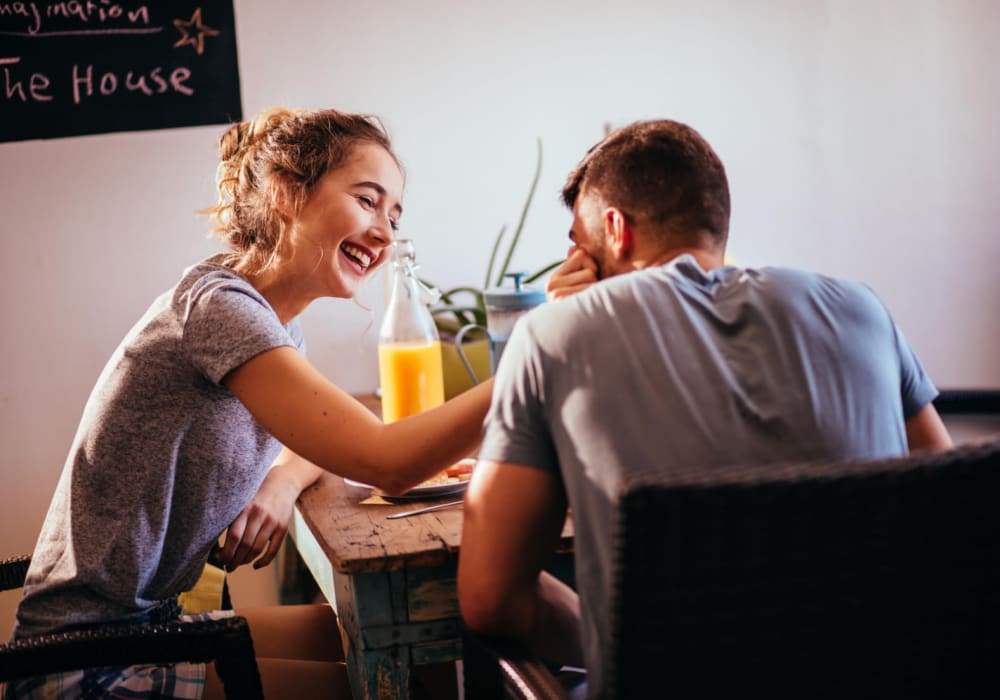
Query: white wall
point(860, 139)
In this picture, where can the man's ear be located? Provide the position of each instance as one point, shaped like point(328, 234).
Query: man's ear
point(617, 233)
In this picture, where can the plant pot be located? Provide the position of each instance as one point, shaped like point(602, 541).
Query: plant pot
point(456, 377)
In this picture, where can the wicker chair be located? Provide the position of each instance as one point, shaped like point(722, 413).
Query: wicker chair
point(227, 642)
point(861, 579)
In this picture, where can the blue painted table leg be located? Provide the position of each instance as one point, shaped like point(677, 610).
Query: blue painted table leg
point(367, 603)
point(378, 674)
point(393, 620)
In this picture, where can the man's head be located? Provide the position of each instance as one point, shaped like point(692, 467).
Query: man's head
point(645, 192)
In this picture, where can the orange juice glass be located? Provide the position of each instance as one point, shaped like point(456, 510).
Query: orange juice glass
point(411, 377)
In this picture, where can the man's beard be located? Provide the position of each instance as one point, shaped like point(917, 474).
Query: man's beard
point(600, 259)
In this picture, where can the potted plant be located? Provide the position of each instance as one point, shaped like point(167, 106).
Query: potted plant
point(463, 305)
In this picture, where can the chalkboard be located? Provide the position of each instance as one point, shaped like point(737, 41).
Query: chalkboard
point(95, 66)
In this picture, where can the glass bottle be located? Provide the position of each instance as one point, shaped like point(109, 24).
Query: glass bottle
point(409, 349)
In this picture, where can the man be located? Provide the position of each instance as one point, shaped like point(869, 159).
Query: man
point(670, 358)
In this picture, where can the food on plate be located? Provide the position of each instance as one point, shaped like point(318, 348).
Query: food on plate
point(459, 471)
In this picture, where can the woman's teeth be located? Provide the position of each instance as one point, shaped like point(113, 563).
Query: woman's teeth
point(361, 256)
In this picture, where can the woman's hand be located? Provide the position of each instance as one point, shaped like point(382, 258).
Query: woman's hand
point(258, 531)
point(578, 272)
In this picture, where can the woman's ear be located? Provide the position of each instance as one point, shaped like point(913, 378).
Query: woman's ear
point(283, 200)
point(617, 233)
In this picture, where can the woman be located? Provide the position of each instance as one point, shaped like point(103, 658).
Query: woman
point(208, 418)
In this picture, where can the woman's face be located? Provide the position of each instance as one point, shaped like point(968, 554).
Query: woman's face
point(342, 232)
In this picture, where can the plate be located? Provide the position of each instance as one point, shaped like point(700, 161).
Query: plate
point(423, 491)
point(417, 492)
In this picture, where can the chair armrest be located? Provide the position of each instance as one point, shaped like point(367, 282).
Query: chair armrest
point(13, 571)
point(227, 642)
point(495, 669)
point(968, 402)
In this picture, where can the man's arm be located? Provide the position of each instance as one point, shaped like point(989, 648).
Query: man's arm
point(926, 431)
point(514, 515)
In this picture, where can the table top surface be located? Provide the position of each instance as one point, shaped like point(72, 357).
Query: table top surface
point(355, 535)
point(358, 538)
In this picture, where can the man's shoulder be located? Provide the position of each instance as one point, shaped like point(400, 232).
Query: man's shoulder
point(790, 280)
point(581, 310)
point(805, 297)
point(766, 286)
point(796, 275)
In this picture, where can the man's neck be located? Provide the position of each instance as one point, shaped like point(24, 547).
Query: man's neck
point(706, 259)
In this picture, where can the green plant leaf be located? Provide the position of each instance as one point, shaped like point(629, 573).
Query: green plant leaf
point(456, 310)
point(524, 214)
point(450, 315)
point(447, 326)
point(477, 294)
point(447, 296)
point(462, 315)
point(493, 255)
point(548, 268)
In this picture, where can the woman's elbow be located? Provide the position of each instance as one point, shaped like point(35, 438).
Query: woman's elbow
point(394, 486)
point(390, 482)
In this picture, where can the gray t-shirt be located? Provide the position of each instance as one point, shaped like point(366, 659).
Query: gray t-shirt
point(164, 459)
point(677, 366)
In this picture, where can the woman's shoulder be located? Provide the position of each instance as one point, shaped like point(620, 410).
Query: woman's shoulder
point(211, 292)
point(208, 277)
point(210, 270)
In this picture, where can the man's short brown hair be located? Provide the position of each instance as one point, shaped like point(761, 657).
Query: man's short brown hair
point(661, 172)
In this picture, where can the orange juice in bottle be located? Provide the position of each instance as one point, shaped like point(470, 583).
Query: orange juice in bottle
point(411, 378)
point(409, 351)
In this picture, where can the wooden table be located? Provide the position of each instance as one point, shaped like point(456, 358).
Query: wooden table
point(392, 582)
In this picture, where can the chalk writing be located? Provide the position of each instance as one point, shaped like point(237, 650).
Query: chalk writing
point(13, 88)
point(37, 16)
point(83, 81)
point(115, 64)
point(108, 83)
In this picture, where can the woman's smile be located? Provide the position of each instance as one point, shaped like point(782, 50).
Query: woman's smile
point(358, 256)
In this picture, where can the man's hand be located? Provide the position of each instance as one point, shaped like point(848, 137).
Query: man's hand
point(258, 531)
point(578, 272)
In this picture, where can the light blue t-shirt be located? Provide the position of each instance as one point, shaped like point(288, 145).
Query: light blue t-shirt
point(673, 365)
point(164, 459)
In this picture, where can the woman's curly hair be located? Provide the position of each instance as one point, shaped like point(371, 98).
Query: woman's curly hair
point(280, 154)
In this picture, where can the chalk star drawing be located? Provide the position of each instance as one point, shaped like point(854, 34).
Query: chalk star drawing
point(196, 37)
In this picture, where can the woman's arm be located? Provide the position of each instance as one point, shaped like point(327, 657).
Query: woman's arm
point(258, 531)
point(334, 431)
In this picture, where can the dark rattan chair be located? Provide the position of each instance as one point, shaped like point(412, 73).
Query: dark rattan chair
point(226, 642)
point(861, 579)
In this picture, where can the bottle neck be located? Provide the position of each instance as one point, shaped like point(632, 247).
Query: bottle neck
point(405, 280)
point(407, 318)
